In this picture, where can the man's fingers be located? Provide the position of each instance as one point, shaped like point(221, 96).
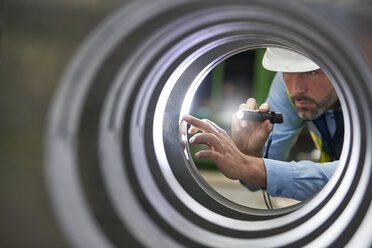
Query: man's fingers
point(207, 154)
point(265, 130)
point(269, 126)
point(251, 103)
point(193, 130)
point(242, 123)
point(243, 106)
point(198, 124)
point(265, 107)
point(235, 123)
point(209, 139)
point(220, 130)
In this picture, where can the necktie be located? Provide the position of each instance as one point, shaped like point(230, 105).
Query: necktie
point(331, 145)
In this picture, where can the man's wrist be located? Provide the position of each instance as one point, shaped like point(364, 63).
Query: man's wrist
point(255, 171)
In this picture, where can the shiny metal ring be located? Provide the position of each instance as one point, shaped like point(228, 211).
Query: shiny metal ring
point(117, 158)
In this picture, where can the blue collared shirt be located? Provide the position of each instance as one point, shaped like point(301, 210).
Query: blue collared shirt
point(297, 180)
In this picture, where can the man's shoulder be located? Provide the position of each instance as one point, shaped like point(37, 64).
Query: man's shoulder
point(278, 92)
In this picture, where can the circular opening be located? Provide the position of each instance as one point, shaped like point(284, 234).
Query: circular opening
point(203, 193)
point(218, 97)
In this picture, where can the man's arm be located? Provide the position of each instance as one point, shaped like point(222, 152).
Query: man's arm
point(297, 180)
point(224, 153)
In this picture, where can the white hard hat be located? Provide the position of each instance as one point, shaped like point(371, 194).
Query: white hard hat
point(284, 60)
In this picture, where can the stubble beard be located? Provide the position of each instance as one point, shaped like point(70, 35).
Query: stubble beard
point(320, 107)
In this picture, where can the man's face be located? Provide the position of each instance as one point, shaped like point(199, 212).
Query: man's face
point(311, 92)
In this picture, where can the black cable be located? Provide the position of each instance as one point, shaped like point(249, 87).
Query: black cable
point(269, 200)
point(269, 143)
point(268, 203)
point(264, 197)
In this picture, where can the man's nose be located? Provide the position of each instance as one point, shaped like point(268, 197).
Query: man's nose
point(299, 85)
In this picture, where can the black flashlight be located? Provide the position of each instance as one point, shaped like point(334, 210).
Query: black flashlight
point(255, 115)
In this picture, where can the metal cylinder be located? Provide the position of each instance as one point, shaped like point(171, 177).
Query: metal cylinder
point(118, 161)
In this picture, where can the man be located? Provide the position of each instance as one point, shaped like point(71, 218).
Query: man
point(304, 94)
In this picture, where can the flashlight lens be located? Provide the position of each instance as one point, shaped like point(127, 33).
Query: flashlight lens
point(239, 114)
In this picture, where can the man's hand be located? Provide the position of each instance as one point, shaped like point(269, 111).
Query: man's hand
point(250, 136)
point(222, 150)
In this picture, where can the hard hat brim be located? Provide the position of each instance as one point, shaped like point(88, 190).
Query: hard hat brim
point(283, 60)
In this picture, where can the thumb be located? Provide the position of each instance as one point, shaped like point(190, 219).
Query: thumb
point(265, 107)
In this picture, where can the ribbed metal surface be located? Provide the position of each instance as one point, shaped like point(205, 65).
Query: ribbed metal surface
point(136, 76)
